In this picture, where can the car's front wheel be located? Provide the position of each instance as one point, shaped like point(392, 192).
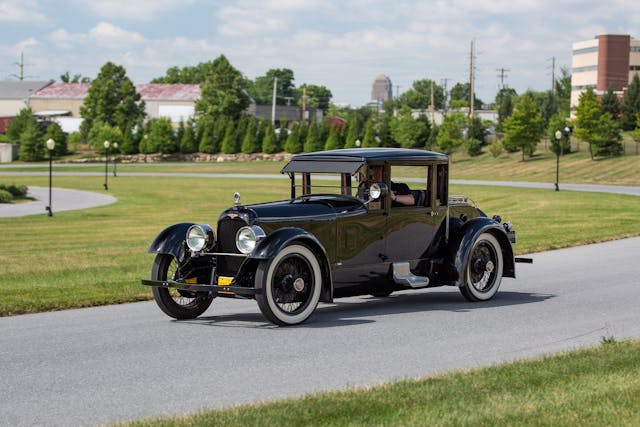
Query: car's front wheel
point(483, 272)
point(176, 303)
point(289, 285)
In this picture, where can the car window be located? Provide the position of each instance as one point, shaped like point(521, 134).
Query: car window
point(414, 179)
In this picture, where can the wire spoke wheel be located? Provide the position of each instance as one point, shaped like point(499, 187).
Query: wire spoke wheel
point(483, 271)
point(291, 284)
point(177, 303)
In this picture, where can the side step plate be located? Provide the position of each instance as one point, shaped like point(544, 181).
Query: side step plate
point(402, 275)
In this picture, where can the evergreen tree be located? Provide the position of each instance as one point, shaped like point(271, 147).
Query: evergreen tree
point(20, 123)
point(631, 104)
point(450, 135)
point(369, 139)
point(313, 142)
point(608, 140)
point(293, 144)
point(32, 147)
point(610, 104)
point(333, 141)
point(161, 138)
point(101, 132)
point(250, 142)
point(270, 141)
point(228, 145)
point(188, 141)
point(55, 132)
point(354, 130)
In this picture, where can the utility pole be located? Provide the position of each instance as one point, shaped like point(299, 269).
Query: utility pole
point(553, 74)
point(20, 65)
point(444, 85)
point(432, 106)
point(273, 101)
point(502, 76)
point(397, 91)
point(471, 77)
point(304, 103)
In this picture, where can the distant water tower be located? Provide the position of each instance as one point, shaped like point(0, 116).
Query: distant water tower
point(381, 89)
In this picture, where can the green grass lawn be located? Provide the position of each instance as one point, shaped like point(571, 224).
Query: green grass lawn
point(594, 387)
point(97, 256)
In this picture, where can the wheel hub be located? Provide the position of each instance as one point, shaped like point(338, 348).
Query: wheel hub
point(298, 284)
point(489, 267)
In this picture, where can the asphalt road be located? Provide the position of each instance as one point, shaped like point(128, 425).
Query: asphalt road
point(123, 362)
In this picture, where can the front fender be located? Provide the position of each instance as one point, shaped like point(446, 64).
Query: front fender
point(278, 239)
point(171, 240)
point(467, 236)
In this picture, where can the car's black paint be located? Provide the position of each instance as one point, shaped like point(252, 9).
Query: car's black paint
point(358, 244)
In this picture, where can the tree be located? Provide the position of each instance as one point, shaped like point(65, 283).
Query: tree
point(354, 130)
point(610, 104)
point(293, 144)
point(608, 137)
point(223, 92)
point(317, 96)
point(228, 145)
point(333, 141)
point(111, 99)
point(261, 90)
point(161, 139)
point(369, 139)
point(77, 78)
point(270, 141)
point(559, 123)
point(505, 100)
point(450, 135)
point(460, 92)
point(32, 146)
point(563, 91)
point(407, 131)
point(55, 132)
point(587, 118)
point(631, 104)
point(20, 123)
point(101, 132)
point(419, 96)
point(313, 142)
point(188, 141)
point(187, 75)
point(250, 140)
point(635, 134)
point(525, 126)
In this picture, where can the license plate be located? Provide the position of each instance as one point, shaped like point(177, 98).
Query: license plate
point(224, 280)
point(191, 280)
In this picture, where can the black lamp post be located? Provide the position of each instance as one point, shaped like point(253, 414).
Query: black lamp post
point(106, 165)
point(115, 157)
point(50, 146)
point(558, 136)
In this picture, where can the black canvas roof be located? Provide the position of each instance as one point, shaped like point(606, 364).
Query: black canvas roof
point(351, 159)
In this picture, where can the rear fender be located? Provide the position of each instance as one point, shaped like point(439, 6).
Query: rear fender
point(171, 241)
point(463, 243)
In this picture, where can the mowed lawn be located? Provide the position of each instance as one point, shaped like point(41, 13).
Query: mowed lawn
point(97, 256)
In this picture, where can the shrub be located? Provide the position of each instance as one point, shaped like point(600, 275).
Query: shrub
point(496, 149)
point(15, 190)
point(474, 147)
point(5, 196)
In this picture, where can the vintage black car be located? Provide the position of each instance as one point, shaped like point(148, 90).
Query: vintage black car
point(347, 229)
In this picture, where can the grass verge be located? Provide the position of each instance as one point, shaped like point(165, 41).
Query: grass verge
point(97, 256)
point(598, 386)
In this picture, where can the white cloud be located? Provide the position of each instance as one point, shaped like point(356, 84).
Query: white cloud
point(21, 11)
point(132, 9)
point(109, 36)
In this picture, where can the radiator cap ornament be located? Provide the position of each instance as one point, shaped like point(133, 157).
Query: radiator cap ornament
point(236, 198)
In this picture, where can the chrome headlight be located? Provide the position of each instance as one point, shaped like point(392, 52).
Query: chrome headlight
point(199, 237)
point(248, 237)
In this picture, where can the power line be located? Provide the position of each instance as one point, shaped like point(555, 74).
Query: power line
point(502, 76)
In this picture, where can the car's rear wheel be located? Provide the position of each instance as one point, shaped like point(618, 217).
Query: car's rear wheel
point(289, 285)
point(483, 272)
point(176, 303)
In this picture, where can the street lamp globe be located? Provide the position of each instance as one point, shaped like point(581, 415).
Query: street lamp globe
point(106, 144)
point(51, 144)
point(558, 135)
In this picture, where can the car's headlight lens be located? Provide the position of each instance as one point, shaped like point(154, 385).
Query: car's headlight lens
point(248, 237)
point(200, 237)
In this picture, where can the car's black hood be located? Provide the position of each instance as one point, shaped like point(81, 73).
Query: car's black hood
point(308, 206)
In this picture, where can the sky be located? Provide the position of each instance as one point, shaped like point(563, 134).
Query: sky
point(343, 45)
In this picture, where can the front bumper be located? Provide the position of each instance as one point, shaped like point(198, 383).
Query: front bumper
point(215, 290)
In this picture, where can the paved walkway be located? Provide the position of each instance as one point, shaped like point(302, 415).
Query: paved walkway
point(64, 200)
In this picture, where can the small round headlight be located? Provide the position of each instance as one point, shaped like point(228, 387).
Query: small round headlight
point(248, 237)
point(200, 237)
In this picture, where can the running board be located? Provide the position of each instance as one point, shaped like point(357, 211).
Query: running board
point(402, 276)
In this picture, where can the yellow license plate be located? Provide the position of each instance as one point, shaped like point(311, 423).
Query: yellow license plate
point(191, 280)
point(224, 280)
